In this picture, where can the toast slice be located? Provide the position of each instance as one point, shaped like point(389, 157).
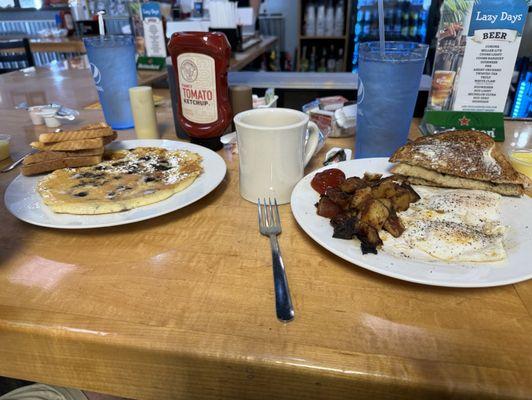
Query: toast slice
point(88, 132)
point(57, 155)
point(52, 165)
point(72, 145)
point(459, 159)
point(421, 176)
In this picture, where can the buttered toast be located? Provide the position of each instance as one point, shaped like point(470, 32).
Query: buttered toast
point(68, 149)
point(87, 132)
point(458, 159)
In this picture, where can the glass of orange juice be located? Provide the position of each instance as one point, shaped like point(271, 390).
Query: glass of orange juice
point(522, 161)
point(518, 147)
point(4, 146)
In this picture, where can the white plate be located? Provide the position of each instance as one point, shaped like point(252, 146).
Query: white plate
point(24, 202)
point(516, 213)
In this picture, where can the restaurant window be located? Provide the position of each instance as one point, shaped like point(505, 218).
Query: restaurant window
point(7, 3)
point(30, 3)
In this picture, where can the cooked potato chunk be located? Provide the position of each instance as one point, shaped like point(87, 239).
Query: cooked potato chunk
point(386, 189)
point(352, 184)
point(387, 203)
point(360, 197)
point(401, 200)
point(361, 207)
point(369, 238)
point(394, 225)
point(374, 214)
point(371, 177)
point(337, 196)
point(327, 208)
point(413, 194)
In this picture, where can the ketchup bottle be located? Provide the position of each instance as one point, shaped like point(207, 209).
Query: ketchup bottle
point(201, 61)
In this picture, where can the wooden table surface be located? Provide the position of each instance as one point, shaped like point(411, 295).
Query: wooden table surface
point(59, 45)
point(50, 44)
point(182, 307)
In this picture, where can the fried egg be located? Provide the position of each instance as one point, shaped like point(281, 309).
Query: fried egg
point(455, 225)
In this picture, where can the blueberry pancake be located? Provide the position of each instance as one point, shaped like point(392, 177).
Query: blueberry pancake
point(126, 179)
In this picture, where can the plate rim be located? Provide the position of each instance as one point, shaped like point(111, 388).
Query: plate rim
point(127, 144)
point(367, 264)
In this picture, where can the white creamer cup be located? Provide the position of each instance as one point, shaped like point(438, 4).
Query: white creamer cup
point(36, 113)
point(273, 151)
point(50, 117)
point(36, 118)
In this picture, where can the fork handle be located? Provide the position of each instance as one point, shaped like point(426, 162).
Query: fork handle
point(16, 163)
point(283, 302)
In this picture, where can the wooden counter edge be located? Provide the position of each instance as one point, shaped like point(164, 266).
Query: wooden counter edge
point(82, 359)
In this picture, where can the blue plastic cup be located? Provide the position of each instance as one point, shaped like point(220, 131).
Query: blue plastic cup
point(112, 63)
point(387, 91)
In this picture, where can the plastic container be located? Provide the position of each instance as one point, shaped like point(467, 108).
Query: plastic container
point(201, 61)
point(36, 115)
point(4, 146)
point(258, 102)
point(112, 63)
point(387, 92)
point(518, 147)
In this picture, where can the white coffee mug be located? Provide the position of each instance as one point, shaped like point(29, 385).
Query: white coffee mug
point(273, 151)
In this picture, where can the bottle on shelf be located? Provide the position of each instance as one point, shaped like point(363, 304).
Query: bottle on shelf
point(176, 10)
point(374, 27)
point(414, 15)
point(421, 27)
point(323, 61)
point(287, 62)
point(329, 19)
point(359, 24)
point(320, 19)
point(331, 61)
point(312, 62)
point(339, 67)
point(398, 20)
point(339, 19)
point(197, 10)
point(304, 63)
point(405, 24)
point(388, 22)
point(310, 19)
point(367, 23)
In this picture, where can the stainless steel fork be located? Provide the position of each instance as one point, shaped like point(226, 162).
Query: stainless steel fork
point(270, 225)
point(15, 163)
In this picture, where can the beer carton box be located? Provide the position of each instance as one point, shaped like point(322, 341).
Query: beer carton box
point(475, 56)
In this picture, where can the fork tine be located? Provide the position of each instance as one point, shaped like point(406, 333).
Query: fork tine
point(259, 213)
point(277, 212)
point(267, 213)
point(270, 212)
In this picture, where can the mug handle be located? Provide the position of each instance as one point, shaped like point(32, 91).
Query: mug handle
point(312, 142)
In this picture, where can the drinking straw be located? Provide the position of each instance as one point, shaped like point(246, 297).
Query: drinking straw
point(101, 26)
point(381, 27)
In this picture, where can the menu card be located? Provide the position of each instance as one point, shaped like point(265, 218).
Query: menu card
point(153, 30)
point(477, 47)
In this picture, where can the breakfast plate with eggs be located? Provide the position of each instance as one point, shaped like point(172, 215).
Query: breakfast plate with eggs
point(450, 237)
point(136, 180)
